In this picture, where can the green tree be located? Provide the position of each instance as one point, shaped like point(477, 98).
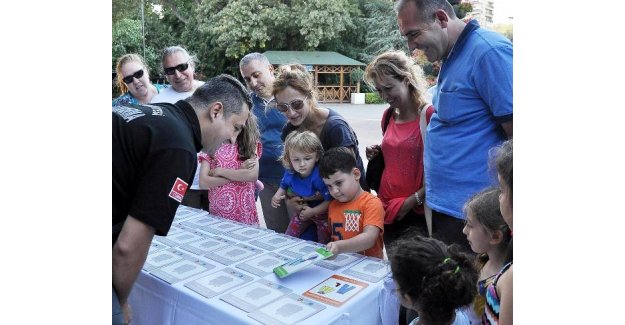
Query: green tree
point(382, 33)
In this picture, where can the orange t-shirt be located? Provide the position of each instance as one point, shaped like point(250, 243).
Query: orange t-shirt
point(349, 219)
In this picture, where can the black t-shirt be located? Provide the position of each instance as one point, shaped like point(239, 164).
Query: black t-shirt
point(154, 154)
point(336, 133)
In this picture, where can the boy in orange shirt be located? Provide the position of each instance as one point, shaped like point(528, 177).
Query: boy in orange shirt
point(356, 217)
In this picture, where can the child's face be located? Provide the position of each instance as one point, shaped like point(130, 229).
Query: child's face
point(505, 201)
point(476, 234)
point(344, 187)
point(303, 163)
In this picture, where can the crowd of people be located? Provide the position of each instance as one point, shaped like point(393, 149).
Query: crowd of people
point(443, 209)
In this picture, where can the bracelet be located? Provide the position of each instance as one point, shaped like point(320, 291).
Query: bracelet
point(416, 196)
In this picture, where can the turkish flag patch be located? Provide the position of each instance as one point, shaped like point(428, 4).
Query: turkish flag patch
point(178, 190)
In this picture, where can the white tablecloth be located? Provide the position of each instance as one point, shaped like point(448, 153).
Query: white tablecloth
point(156, 302)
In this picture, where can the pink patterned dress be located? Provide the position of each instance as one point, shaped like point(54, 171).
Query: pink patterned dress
point(234, 200)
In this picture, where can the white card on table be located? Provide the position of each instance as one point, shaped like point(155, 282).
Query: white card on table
point(156, 246)
point(275, 241)
point(369, 269)
point(221, 227)
point(184, 212)
point(301, 249)
point(340, 261)
point(248, 233)
point(207, 245)
point(335, 290)
point(255, 295)
point(201, 221)
point(218, 282)
point(182, 238)
point(183, 269)
point(232, 254)
point(162, 258)
point(263, 264)
point(287, 310)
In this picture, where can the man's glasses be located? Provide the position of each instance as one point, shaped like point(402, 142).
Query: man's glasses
point(295, 104)
point(181, 67)
point(131, 77)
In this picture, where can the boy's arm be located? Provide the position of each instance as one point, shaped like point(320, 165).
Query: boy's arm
point(275, 200)
point(359, 243)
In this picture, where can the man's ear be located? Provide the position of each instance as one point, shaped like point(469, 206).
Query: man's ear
point(442, 18)
point(216, 110)
point(496, 237)
point(270, 66)
point(356, 173)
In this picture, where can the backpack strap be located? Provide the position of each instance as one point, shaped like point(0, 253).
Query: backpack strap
point(387, 118)
point(423, 126)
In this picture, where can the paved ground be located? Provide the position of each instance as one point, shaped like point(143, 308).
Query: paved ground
point(364, 119)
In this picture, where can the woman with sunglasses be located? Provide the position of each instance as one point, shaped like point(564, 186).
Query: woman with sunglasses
point(133, 78)
point(296, 97)
point(179, 68)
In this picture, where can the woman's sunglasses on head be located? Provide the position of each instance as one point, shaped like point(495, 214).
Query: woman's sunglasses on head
point(130, 78)
point(181, 67)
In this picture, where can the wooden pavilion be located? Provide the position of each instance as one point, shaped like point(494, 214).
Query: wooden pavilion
point(320, 64)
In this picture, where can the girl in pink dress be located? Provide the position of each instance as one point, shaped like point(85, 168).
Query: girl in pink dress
point(230, 176)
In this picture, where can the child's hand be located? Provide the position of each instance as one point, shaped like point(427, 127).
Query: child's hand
point(334, 247)
point(306, 213)
point(275, 200)
point(249, 164)
point(215, 172)
point(372, 151)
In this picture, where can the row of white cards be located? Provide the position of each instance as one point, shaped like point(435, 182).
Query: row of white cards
point(200, 244)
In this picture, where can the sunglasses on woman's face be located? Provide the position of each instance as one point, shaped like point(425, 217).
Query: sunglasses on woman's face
point(131, 77)
point(295, 104)
point(181, 67)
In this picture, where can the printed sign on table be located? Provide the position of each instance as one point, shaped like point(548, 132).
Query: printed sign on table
point(275, 241)
point(181, 238)
point(340, 261)
point(301, 249)
point(207, 245)
point(264, 264)
point(201, 221)
point(162, 258)
point(183, 269)
point(221, 227)
point(218, 282)
point(287, 310)
point(248, 233)
point(255, 295)
point(336, 290)
point(369, 269)
point(232, 254)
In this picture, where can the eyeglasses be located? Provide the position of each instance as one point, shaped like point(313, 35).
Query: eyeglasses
point(181, 67)
point(130, 78)
point(295, 104)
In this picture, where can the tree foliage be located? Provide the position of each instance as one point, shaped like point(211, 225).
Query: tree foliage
point(382, 32)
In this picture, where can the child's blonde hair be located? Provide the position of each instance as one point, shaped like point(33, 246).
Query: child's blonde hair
point(305, 141)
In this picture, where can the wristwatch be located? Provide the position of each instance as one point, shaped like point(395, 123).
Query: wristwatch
point(419, 200)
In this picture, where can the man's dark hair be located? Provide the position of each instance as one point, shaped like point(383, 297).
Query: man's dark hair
point(337, 159)
point(225, 89)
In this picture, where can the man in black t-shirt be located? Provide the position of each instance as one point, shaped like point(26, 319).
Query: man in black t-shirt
point(154, 159)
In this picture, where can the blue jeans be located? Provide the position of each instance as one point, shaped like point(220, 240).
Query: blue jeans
point(118, 314)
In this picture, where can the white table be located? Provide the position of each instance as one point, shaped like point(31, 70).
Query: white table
point(155, 301)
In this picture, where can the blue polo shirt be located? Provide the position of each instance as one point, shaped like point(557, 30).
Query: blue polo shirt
point(270, 124)
point(473, 97)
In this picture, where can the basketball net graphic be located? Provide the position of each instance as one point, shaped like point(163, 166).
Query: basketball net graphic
point(352, 220)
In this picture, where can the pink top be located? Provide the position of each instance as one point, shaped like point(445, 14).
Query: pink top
point(234, 200)
point(402, 147)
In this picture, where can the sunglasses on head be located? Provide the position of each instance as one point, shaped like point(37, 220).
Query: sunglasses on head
point(295, 104)
point(181, 67)
point(131, 77)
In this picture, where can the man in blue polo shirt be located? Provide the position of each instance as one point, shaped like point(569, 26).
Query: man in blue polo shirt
point(473, 102)
point(257, 72)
